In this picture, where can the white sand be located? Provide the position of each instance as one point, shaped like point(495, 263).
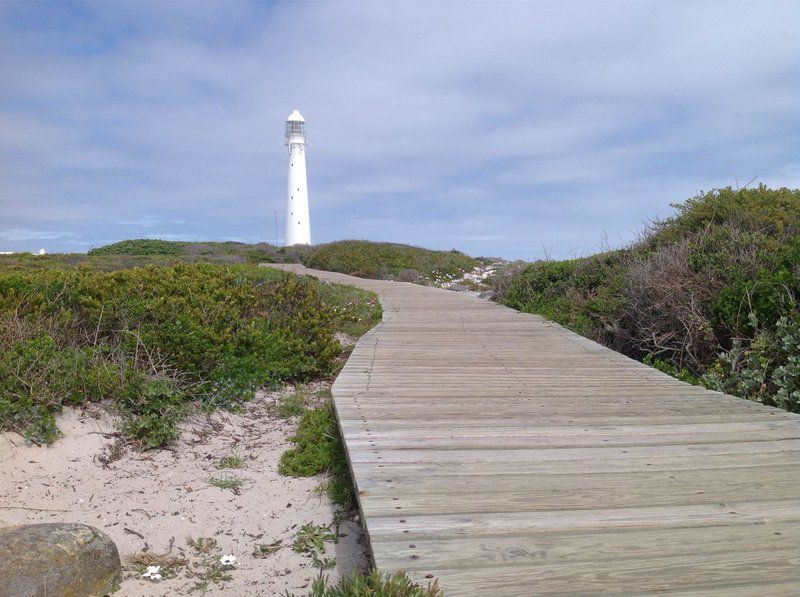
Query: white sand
point(164, 495)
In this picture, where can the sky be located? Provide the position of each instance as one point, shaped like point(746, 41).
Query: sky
point(518, 130)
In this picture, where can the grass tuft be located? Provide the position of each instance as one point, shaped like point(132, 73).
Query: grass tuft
point(232, 483)
point(318, 449)
point(311, 539)
point(293, 404)
point(232, 461)
point(374, 584)
point(264, 550)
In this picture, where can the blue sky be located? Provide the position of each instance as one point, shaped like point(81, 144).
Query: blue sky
point(516, 129)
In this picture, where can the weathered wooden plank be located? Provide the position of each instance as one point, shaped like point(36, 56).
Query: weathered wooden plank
point(478, 427)
point(519, 439)
point(585, 454)
point(723, 462)
point(748, 589)
point(473, 419)
point(383, 484)
point(624, 577)
point(514, 495)
point(582, 547)
point(629, 410)
point(442, 526)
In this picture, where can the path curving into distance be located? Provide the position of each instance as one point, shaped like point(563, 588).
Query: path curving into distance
point(506, 455)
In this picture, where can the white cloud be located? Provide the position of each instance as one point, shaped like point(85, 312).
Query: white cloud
point(21, 234)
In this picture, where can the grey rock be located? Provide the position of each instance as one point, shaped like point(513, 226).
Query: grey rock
point(457, 288)
point(64, 559)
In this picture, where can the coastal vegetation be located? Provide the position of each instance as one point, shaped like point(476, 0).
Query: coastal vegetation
point(389, 261)
point(709, 295)
point(374, 584)
point(361, 258)
point(216, 252)
point(319, 449)
point(160, 341)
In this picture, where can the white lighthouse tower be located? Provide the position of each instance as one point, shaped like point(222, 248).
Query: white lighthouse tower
point(298, 222)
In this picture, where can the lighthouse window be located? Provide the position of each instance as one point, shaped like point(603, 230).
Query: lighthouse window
point(295, 128)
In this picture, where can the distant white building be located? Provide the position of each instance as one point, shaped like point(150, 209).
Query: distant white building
point(42, 252)
point(298, 219)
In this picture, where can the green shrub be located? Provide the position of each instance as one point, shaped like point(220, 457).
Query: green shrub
point(142, 246)
point(153, 407)
point(318, 449)
point(389, 261)
point(374, 584)
point(581, 294)
point(156, 339)
point(767, 370)
point(670, 369)
point(37, 378)
point(355, 311)
point(217, 252)
point(773, 212)
point(310, 540)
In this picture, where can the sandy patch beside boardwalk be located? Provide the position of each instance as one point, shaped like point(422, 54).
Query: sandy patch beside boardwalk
point(165, 496)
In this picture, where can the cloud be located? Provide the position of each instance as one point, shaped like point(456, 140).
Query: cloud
point(149, 221)
point(18, 234)
point(500, 127)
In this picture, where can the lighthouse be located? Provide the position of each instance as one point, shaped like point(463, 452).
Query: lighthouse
point(298, 223)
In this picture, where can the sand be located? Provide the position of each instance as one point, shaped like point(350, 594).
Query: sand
point(154, 501)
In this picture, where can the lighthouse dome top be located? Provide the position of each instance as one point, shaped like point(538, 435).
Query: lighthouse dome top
point(295, 116)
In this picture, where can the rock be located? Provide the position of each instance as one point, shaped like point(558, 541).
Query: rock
point(457, 288)
point(69, 560)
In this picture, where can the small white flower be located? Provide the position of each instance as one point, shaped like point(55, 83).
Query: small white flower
point(228, 560)
point(152, 573)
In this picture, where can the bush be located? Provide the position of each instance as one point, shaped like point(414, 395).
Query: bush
point(374, 584)
point(319, 449)
point(154, 339)
point(688, 290)
point(142, 246)
point(666, 367)
point(767, 370)
point(581, 294)
point(153, 407)
point(663, 309)
point(218, 252)
point(37, 377)
point(389, 261)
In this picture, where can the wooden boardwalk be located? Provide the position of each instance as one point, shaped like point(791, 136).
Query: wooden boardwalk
point(505, 455)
